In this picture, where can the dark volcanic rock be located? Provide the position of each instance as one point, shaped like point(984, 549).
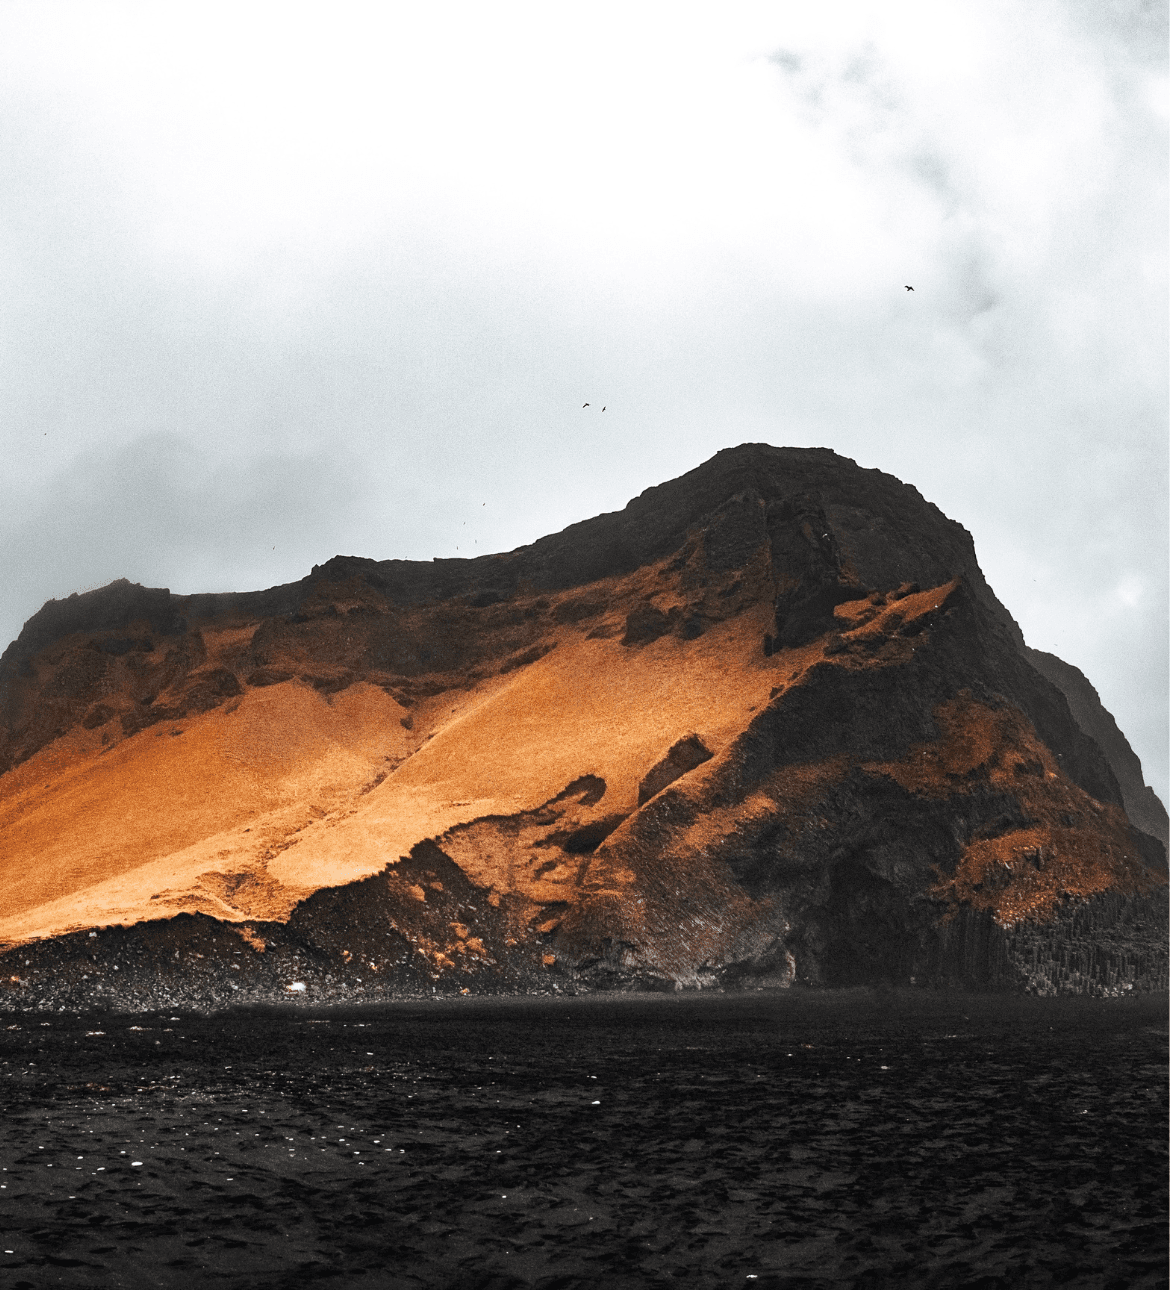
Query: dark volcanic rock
point(685, 755)
point(1141, 803)
point(766, 725)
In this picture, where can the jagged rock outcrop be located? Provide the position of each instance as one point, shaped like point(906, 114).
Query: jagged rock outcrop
point(767, 725)
point(1141, 802)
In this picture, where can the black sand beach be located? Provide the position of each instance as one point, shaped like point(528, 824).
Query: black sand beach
point(793, 1139)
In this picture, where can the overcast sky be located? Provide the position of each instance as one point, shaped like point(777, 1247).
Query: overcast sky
point(280, 281)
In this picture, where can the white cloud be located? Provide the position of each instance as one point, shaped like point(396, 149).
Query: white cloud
point(1130, 591)
point(408, 241)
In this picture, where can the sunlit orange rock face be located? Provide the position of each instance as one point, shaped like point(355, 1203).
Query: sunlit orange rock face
point(768, 725)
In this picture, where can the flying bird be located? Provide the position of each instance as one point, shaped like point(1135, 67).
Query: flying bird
point(603, 407)
point(584, 405)
point(909, 288)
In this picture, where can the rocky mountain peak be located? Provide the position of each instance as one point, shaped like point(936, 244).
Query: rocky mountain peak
point(766, 723)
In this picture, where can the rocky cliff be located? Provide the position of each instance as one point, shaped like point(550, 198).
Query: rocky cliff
point(767, 725)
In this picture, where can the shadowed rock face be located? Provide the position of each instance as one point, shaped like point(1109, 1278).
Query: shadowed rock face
point(1141, 803)
point(767, 725)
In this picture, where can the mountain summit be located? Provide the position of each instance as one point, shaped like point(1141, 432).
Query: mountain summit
point(767, 725)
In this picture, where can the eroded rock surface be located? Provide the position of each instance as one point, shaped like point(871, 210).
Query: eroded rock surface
point(767, 725)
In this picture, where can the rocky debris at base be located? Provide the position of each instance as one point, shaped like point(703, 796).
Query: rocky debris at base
point(1106, 946)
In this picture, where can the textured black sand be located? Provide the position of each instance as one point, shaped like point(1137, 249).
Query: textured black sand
point(848, 1139)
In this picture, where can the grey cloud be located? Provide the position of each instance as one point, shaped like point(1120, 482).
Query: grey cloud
point(1141, 28)
point(787, 60)
point(160, 512)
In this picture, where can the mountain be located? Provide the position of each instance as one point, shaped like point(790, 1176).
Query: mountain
point(767, 725)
